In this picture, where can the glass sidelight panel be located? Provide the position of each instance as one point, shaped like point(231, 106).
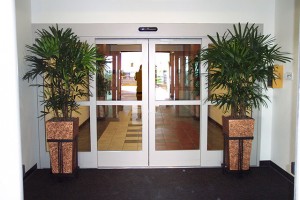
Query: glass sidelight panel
point(121, 78)
point(176, 128)
point(119, 128)
point(175, 76)
point(215, 139)
point(84, 137)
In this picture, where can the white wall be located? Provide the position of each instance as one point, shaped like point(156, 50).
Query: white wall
point(277, 137)
point(284, 100)
point(10, 145)
point(152, 11)
point(28, 100)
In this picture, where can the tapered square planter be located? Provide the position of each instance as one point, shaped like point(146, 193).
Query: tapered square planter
point(62, 143)
point(238, 136)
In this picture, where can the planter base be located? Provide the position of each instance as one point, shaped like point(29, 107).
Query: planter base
point(238, 136)
point(238, 162)
point(63, 153)
point(61, 176)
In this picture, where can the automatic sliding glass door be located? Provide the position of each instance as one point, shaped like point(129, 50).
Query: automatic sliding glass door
point(122, 104)
point(149, 106)
point(174, 103)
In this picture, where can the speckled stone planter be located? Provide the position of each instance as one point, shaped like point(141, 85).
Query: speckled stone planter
point(62, 142)
point(235, 129)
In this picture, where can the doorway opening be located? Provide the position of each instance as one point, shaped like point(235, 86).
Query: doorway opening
point(148, 105)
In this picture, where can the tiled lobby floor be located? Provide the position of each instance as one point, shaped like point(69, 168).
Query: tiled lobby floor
point(123, 135)
point(175, 129)
point(172, 132)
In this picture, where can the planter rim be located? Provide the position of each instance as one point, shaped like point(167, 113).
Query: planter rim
point(61, 119)
point(233, 118)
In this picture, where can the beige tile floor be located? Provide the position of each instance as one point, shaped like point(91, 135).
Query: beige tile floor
point(124, 135)
point(176, 129)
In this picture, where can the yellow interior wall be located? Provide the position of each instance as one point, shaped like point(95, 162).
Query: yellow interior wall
point(215, 114)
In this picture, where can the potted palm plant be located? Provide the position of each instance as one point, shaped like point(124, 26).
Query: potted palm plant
point(239, 63)
point(66, 65)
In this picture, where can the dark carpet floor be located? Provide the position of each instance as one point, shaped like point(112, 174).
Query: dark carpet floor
point(262, 183)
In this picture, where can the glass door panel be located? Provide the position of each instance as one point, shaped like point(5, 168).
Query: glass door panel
point(215, 138)
point(84, 135)
point(175, 108)
point(174, 77)
point(121, 130)
point(121, 111)
point(176, 128)
point(120, 78)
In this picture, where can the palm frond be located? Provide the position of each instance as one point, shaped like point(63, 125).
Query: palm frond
point(240, 62)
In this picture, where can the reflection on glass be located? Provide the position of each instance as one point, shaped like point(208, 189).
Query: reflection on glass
point(215, 139)
point(175, 76)
point(119, 128)
point(176, 128)
point(121, 77)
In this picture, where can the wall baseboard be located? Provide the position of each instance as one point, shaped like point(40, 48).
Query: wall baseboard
point(30, 171)
point(269, 163)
